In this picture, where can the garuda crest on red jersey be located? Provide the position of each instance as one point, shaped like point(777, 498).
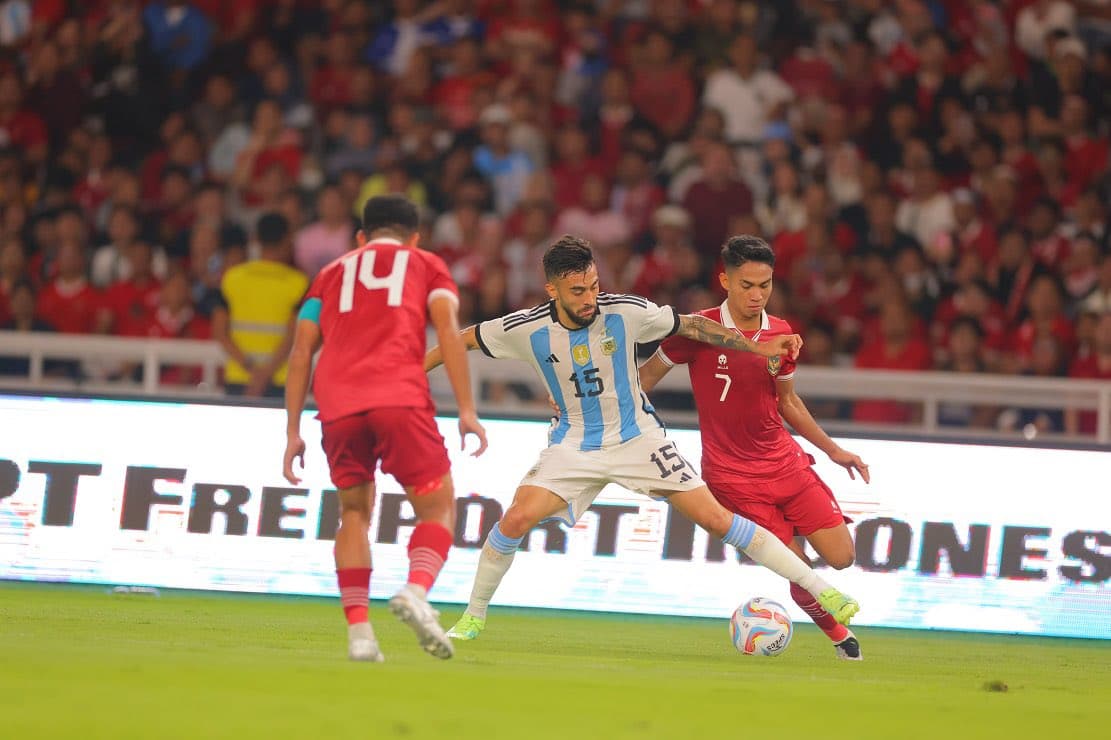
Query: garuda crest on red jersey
point(774, 363)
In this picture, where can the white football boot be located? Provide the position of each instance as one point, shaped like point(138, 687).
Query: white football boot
point(362, 645)
point(412, 607)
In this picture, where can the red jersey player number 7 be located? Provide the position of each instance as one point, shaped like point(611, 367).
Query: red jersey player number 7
point(367, 313)
point(751, 464)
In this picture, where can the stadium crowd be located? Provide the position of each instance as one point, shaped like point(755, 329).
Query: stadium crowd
point(932, 175)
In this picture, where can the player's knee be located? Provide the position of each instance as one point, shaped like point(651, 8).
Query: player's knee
point(434, 501)
point(841, 558)
point(355, 517)
point(516, 522)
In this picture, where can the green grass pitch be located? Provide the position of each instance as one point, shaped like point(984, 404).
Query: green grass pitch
point(79, 662)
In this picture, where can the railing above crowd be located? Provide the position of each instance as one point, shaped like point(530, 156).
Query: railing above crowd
point(936, 404)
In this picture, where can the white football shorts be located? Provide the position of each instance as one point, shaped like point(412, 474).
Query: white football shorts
point(649, 464)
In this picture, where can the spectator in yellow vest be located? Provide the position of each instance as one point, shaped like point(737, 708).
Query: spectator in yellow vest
point(254, 322)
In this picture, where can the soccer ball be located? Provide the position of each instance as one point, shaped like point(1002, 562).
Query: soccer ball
point(760, 627)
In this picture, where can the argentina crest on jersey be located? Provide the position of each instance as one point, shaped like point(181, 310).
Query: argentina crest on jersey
point(609, 344)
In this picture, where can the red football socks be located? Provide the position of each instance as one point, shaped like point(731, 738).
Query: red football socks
point(354, 593)
point(428, 548)
point(825, 621)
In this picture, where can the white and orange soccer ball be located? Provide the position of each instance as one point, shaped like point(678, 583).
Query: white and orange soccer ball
point(760, 627)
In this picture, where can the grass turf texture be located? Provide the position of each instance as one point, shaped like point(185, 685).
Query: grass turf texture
point(83, 663)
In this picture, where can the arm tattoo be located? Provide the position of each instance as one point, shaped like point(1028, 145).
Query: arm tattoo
point(469, 340)
point(702, 329)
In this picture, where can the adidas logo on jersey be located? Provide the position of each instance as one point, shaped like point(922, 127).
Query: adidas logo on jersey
point(552, 358)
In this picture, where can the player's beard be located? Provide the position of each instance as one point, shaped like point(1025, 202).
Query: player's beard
point(580, 320)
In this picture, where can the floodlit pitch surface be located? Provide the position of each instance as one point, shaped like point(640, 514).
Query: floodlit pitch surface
point(79, 662)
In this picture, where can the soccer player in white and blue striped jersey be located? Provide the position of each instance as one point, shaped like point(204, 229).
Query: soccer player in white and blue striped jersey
point(582, 344)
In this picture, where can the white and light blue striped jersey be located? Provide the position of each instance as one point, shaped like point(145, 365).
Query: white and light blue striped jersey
point(591, 372)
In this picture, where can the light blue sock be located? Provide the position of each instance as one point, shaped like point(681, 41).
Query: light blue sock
point(493, 563)
point(740, 532)
point(505, 545)
point(772, 554)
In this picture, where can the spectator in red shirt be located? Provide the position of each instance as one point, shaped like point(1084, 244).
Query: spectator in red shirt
point(172, 316)
point(1049, 247)
point(973, 301)
point(972, 232)
point(527, 25)
point(636, 196)
point(573, 163)
point(68, 302)
point(1087, 156)
point(454, 96)
point(615, 115)
point(672, 261)
point(55, 91)
point(894, 349)
point(1053, 180)
point(330, 87)
point(112, 262)
point(1096, 365)
point(127, 303)
point(20, 128)
point(174, 213)
point(1045, 317)
point(271, 143)
point(714, 199)
point(662, 90)
point(13, 269)
point(835, 292)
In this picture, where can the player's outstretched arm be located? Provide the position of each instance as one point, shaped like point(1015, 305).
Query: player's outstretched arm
point(435, 356)
point(702, 329)
point(651, 372)
point(452, 352)
point(795, 413)
point(306, 340)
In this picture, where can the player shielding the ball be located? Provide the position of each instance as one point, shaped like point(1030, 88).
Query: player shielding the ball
point(751, 463)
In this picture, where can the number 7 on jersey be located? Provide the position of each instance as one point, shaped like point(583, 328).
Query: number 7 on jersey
point(363, 264)
point(728, 382)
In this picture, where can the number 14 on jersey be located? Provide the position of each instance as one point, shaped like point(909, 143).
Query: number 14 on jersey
point(361, 265)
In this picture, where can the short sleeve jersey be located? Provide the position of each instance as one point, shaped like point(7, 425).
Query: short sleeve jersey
point(591, 371)
point(737, 397)
point(373, 313)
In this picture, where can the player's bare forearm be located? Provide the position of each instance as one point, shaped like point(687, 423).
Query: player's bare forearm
point(702, 329)
point(435, 356)
point(651, 372)
point(795, 413)
point(296, 389)
point(305, 343)
point(453, 351)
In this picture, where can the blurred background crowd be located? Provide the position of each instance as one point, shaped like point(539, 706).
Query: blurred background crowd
point(933, 175)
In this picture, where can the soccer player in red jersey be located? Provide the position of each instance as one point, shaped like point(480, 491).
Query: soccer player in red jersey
point(749, 460)
point(367, 312)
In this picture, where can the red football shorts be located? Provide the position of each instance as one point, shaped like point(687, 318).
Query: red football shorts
point(405, 440)
point(799, 503)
